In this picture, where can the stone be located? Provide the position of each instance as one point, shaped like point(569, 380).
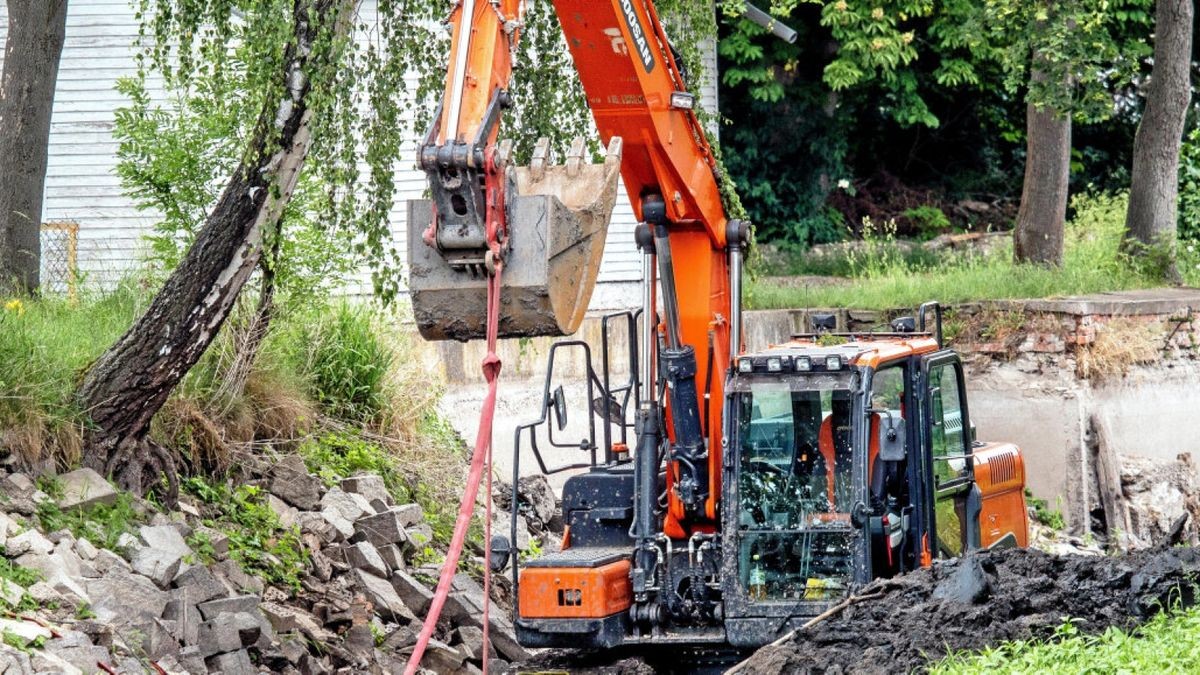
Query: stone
point(46, 662)
point(440, 657)
point(409, 514)
point(83, 488)
point(62, 569)
point(192, 661)
point(236, 605)
point(85, 549)
point(469, 639)
point(502, 524)
point(380, 529)
point(76, 648)
point(415, 595)
point(29, 541)
point(157, 566)
point(336, 526)
point(197, 584)
point(285, 619)
point(106, 562)
point(8, 527)
point(26, 632)
point(288, 515)
point(10, 593)
point(187, 620)
point(351, 505)
point(121, 597)
point(226, 634)
point(419, 536)
point(537, 498)
point(232, 663)
point(297, 488)
point(365, 557)
point(154, 638)
point(370, 486)
point(165, 538)
point(385, 599)
point(392, 557)
point(15, 662)
point(236, 579)
point(44, 594)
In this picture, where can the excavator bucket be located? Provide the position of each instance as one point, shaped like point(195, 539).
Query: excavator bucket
point(557, 221)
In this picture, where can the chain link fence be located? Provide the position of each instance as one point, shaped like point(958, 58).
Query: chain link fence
point(60, 258)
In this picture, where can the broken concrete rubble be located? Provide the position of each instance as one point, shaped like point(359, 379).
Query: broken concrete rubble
point(151, 596)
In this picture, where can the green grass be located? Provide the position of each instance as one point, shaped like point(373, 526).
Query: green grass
point(883, 278)
point(1168, 643)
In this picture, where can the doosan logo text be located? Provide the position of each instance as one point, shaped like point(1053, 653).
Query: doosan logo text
point(638, 34)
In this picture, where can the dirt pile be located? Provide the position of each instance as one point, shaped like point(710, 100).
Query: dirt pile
point(982, 600)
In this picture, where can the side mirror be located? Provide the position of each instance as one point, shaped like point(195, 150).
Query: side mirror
point(891, 438)
point(609, 409)
point(560, 408)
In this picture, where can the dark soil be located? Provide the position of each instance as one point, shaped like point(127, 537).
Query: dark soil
point(983, 600)
point(978, 601)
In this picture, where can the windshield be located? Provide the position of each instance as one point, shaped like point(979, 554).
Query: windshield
point(795, 486)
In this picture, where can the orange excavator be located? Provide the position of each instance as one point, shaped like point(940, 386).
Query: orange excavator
point(760, 488)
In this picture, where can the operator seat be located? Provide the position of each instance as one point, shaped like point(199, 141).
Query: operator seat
point(832, 446)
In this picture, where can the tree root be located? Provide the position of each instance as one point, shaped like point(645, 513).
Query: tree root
point(139, 465)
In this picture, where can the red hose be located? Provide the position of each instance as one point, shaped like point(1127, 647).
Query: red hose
point(481, 458)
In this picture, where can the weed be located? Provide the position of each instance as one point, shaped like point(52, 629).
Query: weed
point(101, 524)
point(1119, 344)
point(84, 612)
point(258, 542)
point(1052, 518)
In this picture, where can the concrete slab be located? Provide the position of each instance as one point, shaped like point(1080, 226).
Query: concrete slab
point(1138, 302)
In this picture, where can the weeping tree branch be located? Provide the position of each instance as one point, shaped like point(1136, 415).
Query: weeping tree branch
point(130, 382)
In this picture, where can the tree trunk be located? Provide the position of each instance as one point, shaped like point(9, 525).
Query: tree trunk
point(1038, 237)
point(36, 30)
point(130, 382)
point(1154, 190)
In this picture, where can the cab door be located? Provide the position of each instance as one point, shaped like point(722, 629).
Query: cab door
point(953, 525)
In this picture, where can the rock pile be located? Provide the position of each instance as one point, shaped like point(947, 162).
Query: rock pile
point(151, 605)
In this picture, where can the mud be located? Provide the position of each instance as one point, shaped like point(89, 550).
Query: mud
point(972, 603)
point(983, 600)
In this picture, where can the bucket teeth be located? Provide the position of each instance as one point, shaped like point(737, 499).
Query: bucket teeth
point(558, 220)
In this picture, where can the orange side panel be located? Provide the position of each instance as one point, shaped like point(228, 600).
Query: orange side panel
point(1000, 475)
point(575, 592)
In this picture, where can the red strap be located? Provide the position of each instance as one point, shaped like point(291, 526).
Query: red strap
point(481, 460)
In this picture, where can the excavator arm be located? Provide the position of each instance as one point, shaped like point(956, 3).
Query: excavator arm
point(546, 226)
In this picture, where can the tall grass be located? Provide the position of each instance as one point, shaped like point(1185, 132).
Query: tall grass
point(883, 279)
point(45, 346)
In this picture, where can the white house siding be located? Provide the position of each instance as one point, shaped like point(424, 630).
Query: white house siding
point(82, 186)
